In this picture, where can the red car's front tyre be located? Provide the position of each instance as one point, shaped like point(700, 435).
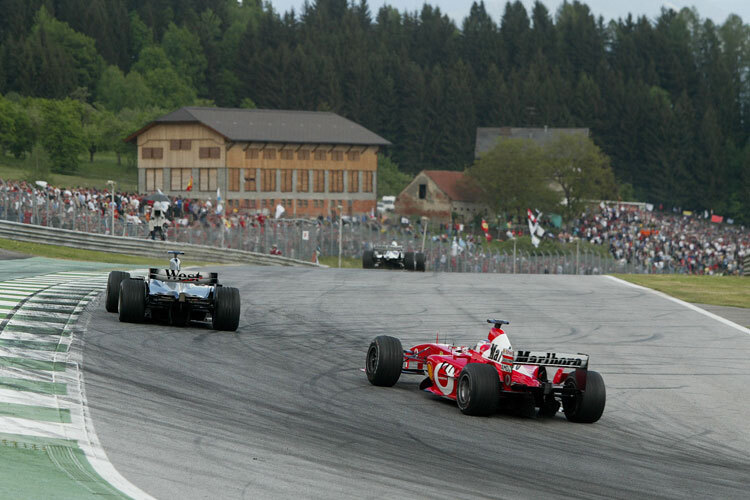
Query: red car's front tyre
point(385, 357)
point(478, 389)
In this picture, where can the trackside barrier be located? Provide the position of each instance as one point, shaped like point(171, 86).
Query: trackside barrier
point(136, 246)
point(746, 265)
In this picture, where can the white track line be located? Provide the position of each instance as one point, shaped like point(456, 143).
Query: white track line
point(28, 398)
point(683, 303)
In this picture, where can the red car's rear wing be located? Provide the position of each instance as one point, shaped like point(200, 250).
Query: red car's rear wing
point(551, 359)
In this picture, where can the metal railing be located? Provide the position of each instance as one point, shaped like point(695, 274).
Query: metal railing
point(303, 240)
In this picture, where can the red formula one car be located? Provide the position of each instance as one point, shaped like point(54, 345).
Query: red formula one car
point(492, 376)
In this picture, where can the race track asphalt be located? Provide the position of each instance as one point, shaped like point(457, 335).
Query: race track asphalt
point(281, 409)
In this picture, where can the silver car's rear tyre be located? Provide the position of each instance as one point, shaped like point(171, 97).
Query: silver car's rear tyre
point(419, 261)
point(112, 297)
point(226, 315)
point(368, 259)
point(409, 261)
point(132, 303)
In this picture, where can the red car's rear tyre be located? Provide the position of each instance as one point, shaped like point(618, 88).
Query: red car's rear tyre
point(478, 389)
point(585, 406)
point(385, 357)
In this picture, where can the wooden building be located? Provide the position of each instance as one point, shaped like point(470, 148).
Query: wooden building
point(441, 195)
point(309, 162)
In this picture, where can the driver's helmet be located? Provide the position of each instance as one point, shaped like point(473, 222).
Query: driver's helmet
point(394, 243)
point(174, 264)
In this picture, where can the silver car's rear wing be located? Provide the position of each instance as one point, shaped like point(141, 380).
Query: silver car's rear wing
point(551, 359)
point(195, 277)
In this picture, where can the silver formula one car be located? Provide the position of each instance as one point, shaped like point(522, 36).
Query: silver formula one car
point(392, 257)
point(173, 295)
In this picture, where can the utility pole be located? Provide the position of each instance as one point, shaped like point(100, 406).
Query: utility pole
point(341, 232)
point(112, 205)
point(424, 231)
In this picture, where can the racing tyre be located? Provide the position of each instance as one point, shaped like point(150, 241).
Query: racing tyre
point(226, 314)
point(385, 357)
point(132, 302)
point(419, 261)
point(409, 261)
point(368, 259)
point(585, 406)
point(478, 390)
point(113, 290)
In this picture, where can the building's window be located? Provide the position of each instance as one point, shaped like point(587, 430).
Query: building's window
point(422, 191)
point(286, 181)
point(353, 181)
point(335, 181)
point(234, 179)
point(152, 153)
point(269, 154)
point(209, 153)
point(301, 203)
point(353, 155)
point(367, 181)
point(180, 178)
point(207, 179)
point(303, 154)
point(263, 203)
point(250, 184)
point(319, 181)
point(154, 179)
point(180, 144)
point(252, 153)
point(303, 181)
point(320, 155)
point(268, 179)
point(251, 204)
point(337, 155)
point(287, 154)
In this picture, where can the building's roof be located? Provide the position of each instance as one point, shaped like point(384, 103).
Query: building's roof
point(487, 136)
point(265, 125)
point(453, 184)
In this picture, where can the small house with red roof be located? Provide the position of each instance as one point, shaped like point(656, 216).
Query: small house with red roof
point(440, 195)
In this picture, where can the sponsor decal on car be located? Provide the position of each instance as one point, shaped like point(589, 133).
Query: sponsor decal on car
point(548, 358)
point(177, 275)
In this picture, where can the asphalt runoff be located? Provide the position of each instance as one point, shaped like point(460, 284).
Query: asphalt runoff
point(281, 408)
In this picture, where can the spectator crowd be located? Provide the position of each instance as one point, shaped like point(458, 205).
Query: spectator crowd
point(653, 241)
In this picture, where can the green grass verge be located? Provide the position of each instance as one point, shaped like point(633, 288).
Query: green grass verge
point(715, 290)
point(89, 174)
point(67, 253)
point(346, 262)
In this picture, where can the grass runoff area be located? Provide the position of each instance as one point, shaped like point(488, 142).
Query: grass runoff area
point(90, 174)
point(67, 253)
point(714, 290)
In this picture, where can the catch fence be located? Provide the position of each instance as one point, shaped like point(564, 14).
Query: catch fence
point(305, 239)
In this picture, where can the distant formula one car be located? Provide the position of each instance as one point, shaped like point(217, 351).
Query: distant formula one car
point(173, 295)
point(492, 376)
point(392, 257)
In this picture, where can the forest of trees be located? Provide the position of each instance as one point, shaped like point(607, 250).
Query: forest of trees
point(667, 99)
